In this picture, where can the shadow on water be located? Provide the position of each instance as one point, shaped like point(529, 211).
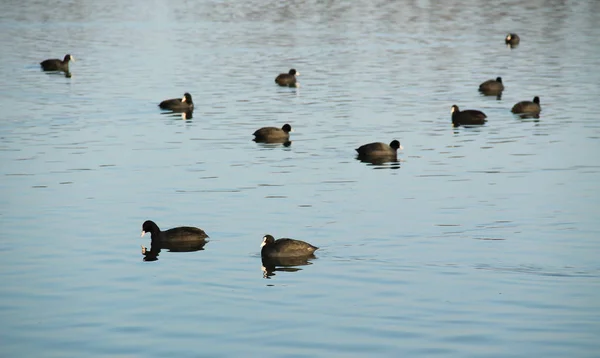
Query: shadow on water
point(284, 264)
point(181, 246)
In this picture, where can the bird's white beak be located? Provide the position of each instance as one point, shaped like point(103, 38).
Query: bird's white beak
point(143, 233)
point(183, 99)
point(401, 147)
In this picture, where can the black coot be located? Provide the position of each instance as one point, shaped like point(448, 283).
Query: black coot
point(176, 237)
point(467, 117)
point(379, 150)
point(287, 79)
point(492, 87)
point(273, 134)
point(285, 247)
point(528, 107)
point(55, 64)
point(183, 104)
point(512, 39)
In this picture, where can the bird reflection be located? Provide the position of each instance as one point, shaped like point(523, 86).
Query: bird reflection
point(67, 74)
point(283, 264)
point(185, 115)
point(273, 143)
point(183, 246)
point(528, 115)
point(492, 93)
point(383, 162)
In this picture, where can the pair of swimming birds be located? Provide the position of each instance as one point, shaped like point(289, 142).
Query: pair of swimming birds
point(270, 248)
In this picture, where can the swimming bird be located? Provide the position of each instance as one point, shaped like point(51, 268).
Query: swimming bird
point(379, 150)
point(492, 87)
point(528, 107)
point(467, 117)
point(285, 247)
point(178, 104)
point(287, 79)
point(174, 236)
point(55, 64)
point(512, 39)
point(273, 134)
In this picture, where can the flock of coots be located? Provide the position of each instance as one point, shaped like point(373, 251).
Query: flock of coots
point(287, 251)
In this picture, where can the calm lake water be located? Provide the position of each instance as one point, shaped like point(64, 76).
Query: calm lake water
point(480, 242)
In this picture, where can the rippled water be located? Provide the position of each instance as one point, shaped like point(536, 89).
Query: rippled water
point(479, 242)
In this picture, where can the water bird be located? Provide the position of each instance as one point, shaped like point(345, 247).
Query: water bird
point(467, 117)
point(492, 87)
point(512, 39)
point(287, 79)
point(54, 64)
point(379, 150)
point(178, 236)
point(273, 134)
point(285, 247)
point(183, 104)
point(532, 108)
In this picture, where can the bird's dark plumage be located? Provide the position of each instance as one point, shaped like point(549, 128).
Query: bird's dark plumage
point(287, 79)
point(55, 64)
point(273, 134)
point(512, 39)
point(528, 107)
point(178, 104)
point(285, 247)
point(492, 87)
point(467, 117)
point(175, 236)
point(379, 149)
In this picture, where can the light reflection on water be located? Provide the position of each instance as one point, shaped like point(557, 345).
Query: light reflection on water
point(481, 241)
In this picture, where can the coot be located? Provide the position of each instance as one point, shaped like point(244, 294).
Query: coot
point(492, 87)
point(178, 104)
point(273, 134)
point(528, 107)
point(378, 149)
point(512, 39)
point(287, 79)
point(285, 247)
point(55, 64)
point(176, 236)
point(467, 117)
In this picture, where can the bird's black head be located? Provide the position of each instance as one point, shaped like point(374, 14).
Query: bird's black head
point(536, 100)
point(149, 226)
point(286, 128)
point(187, 98)
point(293, 72)
point(267, 240)
point(499, 79)
point(395, 144)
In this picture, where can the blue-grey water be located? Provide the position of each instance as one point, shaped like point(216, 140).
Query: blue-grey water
point(480, 242)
